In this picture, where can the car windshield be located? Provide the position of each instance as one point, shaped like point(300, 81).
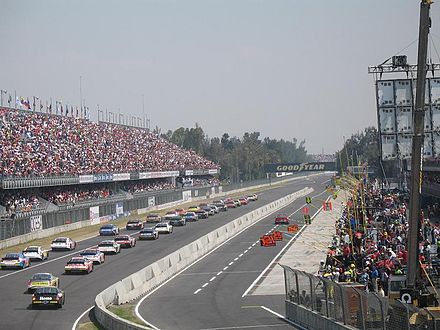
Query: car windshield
point(106, 244)
point(76, 261)
point(161, 225)
point(60, 240)
point(133, 222)
point(107, 227)
point(41, 277)
point(153, 216)
point(12, 256)
point(147, 230)
point(121, 238)
point(47, 290)
point(31, 249)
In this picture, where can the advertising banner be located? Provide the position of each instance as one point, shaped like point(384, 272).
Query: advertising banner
point(121, 176)
point(119, 209)
point(94, 215)
point(300, 167)
point(36, 223)
point(103, 177)
point(186, 195)
point(85, 178)
point(157, 175)
point(151, 201)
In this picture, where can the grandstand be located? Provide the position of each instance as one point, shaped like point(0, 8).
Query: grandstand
point(56, 168)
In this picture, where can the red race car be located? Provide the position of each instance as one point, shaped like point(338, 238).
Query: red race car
point(282, 219)
point(79, 265)
point(125, 241)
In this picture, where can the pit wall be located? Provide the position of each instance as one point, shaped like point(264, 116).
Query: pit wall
point(143, 281)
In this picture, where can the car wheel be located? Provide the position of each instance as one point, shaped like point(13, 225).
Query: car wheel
point(29, 290)
point(60, 305)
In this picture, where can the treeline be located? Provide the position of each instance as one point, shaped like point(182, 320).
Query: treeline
point(239, 158)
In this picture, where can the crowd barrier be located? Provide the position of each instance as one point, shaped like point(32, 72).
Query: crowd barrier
point(148, 278)
point(316, 303)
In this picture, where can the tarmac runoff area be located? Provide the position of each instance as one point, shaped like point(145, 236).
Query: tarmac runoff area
point(305, 253)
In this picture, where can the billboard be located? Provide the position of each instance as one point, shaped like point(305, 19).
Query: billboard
point(395, 108)
point(300, 167)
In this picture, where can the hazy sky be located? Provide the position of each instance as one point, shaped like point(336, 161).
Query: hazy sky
point(283, 68)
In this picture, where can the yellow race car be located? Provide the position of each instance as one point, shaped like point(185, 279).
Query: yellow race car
point(42, 280)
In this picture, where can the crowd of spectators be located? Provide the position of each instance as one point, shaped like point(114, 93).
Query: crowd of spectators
point(75, 194)
point(37, 144)
point(19, 202)
point(147, 185)
point(370, 243)
point(431, 177)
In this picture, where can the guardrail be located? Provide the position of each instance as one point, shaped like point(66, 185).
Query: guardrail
point(151, 276)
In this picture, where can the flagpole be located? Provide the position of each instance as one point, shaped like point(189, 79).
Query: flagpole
point(80, 91)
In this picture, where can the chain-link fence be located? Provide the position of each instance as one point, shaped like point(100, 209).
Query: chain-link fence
point(350, 305)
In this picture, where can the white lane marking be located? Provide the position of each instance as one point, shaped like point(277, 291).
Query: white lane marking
point(197, 291)
point(250, 247)
point(245, 251)
point(204, 285)
point(80, 317)
point(136, 310)
point(281, 317)
point(230, 263)
point(56, 259)
point(219, 273)
point(276, 257)
point(212, 279)
point(240, 255)
point(236, 259)
point(254, 244)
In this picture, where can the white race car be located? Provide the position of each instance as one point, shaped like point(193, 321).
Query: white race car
point(63, 243)
point(94, 255)
point(164, 227)
point(109, 246)
point(36, 253)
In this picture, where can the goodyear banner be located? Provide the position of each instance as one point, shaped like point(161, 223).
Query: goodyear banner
point(300, 167)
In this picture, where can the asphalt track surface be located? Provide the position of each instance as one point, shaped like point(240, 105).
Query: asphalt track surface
point(80, 290)
point(209, 294)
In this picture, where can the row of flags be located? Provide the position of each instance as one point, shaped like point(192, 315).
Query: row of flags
point(58, 108)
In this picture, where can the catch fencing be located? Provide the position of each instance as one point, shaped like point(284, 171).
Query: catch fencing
point(315, 303)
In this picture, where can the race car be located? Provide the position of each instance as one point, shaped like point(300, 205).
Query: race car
point(191, 216)
point(221, 206)
point(230, 204)
point(180, 211)
point(63, 243)
point(171, 214)
point(253, 197)
point(202, 214)
point(237, 202)
point(134, 225)
point(176, 220)
point(15, 260)
point(193, 208)
point(79, 265)
point(48, 296)
point(36, 253)
point(109, 246)
point(148, 233)
point(95, 255)
point(282, 219)
point(164, 227)
point(109, 230)
point(209, 210)
point(243, 201)
point(214, 207)
point(42, 280)
point(125, 241)
point(154, 218)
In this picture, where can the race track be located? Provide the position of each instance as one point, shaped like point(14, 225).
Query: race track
point(15, 311)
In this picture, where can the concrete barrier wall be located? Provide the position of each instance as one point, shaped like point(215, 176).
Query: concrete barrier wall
point(80, 224)
point(309, 319)
point(143, 281)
